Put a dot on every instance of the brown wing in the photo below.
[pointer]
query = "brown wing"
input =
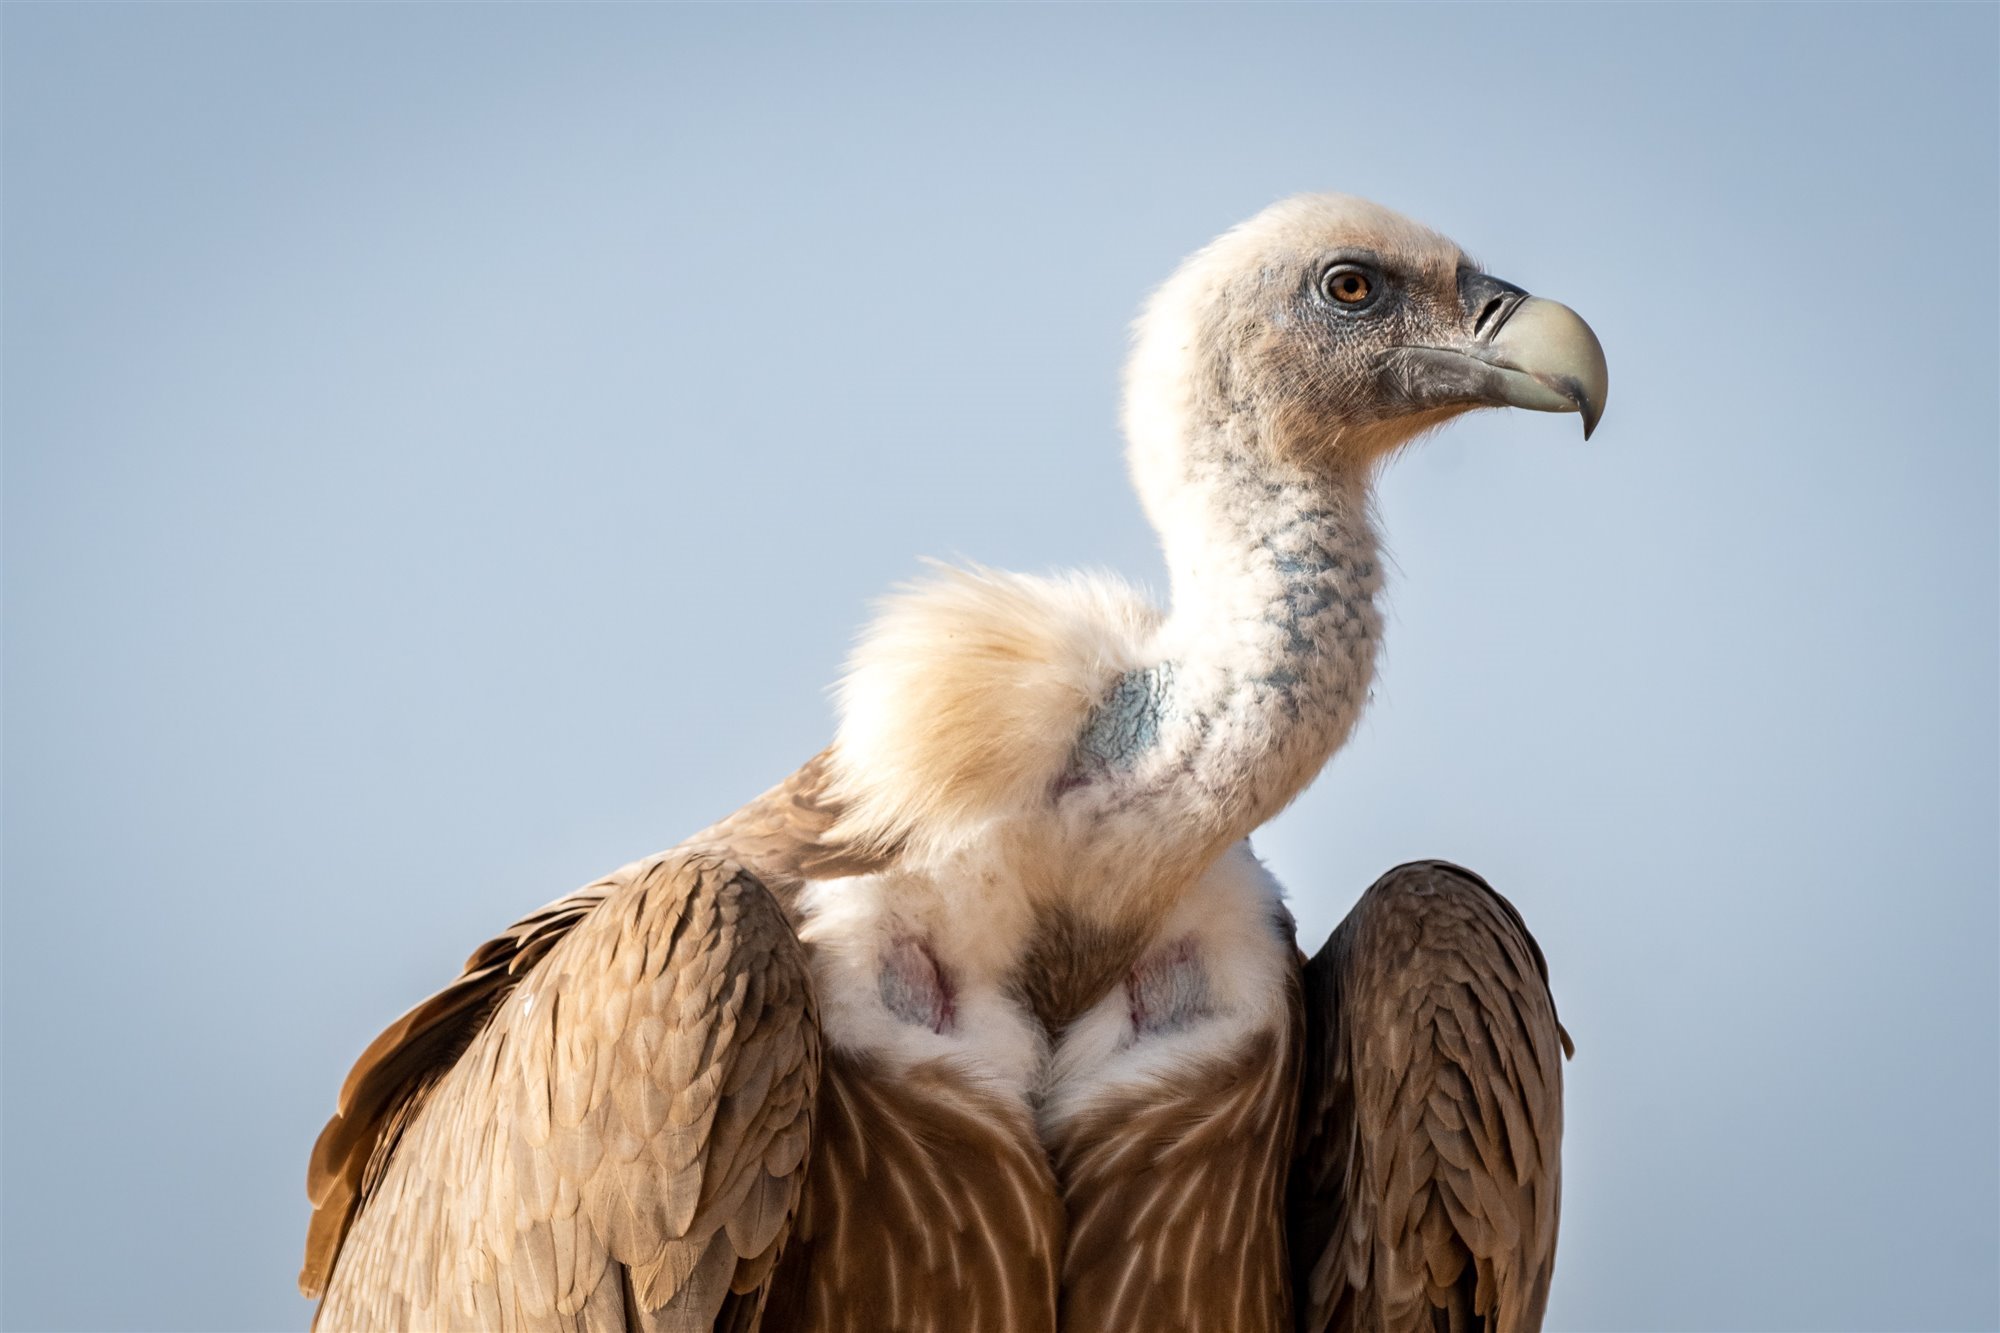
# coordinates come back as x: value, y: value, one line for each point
x: 1427, y: 1183
x: 621, y: 1143
x: 664, y: 1017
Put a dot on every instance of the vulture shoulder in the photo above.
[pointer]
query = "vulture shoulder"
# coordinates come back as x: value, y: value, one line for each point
x: 1426, y: 1183
x: 604, y: 1122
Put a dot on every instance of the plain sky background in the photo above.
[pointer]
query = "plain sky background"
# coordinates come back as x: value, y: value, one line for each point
x: 448, y: 451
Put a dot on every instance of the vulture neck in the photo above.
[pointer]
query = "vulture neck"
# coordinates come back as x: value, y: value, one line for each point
x: 1271, y: 639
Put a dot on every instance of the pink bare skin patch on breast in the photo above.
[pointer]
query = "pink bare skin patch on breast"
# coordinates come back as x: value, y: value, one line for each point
x: 916, y: 988
x: 1168, y: 990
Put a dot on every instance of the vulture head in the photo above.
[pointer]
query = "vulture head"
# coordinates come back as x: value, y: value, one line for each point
x: 1326, y: 331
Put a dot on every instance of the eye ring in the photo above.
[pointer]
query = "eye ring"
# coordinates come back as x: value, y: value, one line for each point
x: 1349, y: 287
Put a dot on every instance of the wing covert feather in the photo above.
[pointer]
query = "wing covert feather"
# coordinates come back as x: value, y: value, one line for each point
x: 1426, y: 1189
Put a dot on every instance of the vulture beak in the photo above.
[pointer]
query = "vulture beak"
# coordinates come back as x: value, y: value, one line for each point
x: 1515, y: 350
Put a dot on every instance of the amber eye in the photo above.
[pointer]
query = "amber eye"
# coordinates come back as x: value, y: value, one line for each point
x: 1348, y: 285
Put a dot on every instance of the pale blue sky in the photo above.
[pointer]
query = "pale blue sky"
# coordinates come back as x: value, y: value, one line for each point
x: 448, y: 451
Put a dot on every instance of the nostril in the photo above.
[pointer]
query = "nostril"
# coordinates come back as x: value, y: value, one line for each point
x: 1491, y: 316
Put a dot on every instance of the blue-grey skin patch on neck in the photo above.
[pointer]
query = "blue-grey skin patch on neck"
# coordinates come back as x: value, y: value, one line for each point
x: 1125, y: 725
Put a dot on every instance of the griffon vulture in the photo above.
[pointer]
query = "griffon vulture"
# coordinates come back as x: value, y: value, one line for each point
x: 987, y: 1018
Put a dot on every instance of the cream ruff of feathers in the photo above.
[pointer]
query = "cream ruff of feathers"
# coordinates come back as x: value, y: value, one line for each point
x: 987, y: 1018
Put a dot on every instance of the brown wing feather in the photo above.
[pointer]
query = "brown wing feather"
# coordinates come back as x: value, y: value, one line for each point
x: 393, y: 1076
x: 727, y: 1058
x: 929, y: 1206
x: 785, y: 836
x: 1427, y: 1184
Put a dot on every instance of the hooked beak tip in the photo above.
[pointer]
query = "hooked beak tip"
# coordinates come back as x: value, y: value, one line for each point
x: 1586, y: 407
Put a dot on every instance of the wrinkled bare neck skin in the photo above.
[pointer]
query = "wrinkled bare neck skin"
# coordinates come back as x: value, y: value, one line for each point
x: 1275, y: 622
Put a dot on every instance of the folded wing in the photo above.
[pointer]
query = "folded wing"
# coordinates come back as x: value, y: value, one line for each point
x: 603, y: 1124
x: 1427, y: 1182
